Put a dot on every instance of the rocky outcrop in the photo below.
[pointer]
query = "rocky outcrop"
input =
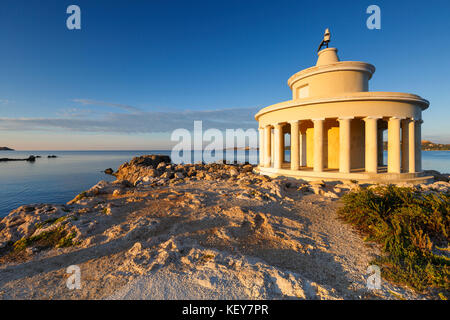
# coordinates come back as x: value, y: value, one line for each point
x: 437, y: 175
x: 30, y: 159
x: 140, y: 167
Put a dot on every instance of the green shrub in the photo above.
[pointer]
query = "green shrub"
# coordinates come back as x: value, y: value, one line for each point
x: 50, y: 222
x: 413, y: 229
x: 48, y: 239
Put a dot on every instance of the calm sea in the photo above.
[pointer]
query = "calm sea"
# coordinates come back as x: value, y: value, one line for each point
x: 58, y: 180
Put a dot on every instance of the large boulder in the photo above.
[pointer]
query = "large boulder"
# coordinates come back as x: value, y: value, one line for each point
x: 140, y: 167
x: 152, y: 160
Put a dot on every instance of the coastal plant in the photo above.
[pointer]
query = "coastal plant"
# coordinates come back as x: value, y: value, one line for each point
x: 50, y: 222
x: 413, y: 229
x: 79, y: 197
x: 56, y: 238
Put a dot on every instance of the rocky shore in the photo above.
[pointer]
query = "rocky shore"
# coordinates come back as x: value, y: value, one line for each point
x: 192, y: 231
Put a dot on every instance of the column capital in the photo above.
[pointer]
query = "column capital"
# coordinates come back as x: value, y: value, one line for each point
x: 294, y: 121
x: 396, y: 118
x: 278, y: 124
x: 318, y: 119
x: 372, y: 118
x: 345, y: 118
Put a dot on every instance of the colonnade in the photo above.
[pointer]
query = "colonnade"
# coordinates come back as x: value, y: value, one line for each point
x: 404, y: 144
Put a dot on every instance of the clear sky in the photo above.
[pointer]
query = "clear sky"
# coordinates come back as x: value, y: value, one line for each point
x: 139, y: 69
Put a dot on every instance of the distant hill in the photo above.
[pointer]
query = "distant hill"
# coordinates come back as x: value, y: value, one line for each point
x: 6, y: 149
x: 428, y: 146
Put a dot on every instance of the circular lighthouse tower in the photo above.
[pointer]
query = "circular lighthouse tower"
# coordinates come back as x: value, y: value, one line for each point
x: 336, y: 126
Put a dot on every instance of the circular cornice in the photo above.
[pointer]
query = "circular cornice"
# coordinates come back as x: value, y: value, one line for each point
x: 338, y: 66
x: 359, y: 96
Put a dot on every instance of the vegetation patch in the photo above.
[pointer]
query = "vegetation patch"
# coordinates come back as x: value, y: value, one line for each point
x: 49, y: 222
x: 56, y: 238
x: 413, y: 229
x: 80, y: 196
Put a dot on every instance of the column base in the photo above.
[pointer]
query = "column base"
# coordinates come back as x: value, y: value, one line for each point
x: 334, y: 175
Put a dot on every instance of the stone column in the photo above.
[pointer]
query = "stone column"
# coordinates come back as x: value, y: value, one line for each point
x: 344, y: 144
x: 405, y: 145
x: 279, y: 149
x: 303, y: 148
x: 295, y: 144
x: 412, y: 146
x: 318, y: 144
x: 272, y: 144
x: 394, y: 161
x: 371, y: 142
x: 418, y: 140
x: 267, y: 146
x: 261, y: 147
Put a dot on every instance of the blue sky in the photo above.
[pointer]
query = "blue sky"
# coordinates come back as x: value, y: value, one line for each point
x: 139, y: 69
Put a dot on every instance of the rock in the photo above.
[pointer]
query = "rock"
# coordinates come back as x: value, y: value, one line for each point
x: 167, y: 175
x: 152, y: 173
x: 317, y: 190
x: 123, y: 183
x: 109, y: 171
x: 148, y: 179
x: 30, y: 159
x: 117, y: 192
x: 150, y: 160
x: 179, y: 168
x: 440, y: 186
x: 437, y: 175
x: 141, y: 166
x: 191, y: 172
x: 233, y: 172
x: 305, y: 189
x: 108, y: 211
x: 320, y: 183
x: 330, y: 194
x: 135, y: 249
x: 179, y: 175
x: 200, y: 174
x: 100, y: 188
x: 247, y: 168
x: 161, y: 166
x: 52, y: 156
